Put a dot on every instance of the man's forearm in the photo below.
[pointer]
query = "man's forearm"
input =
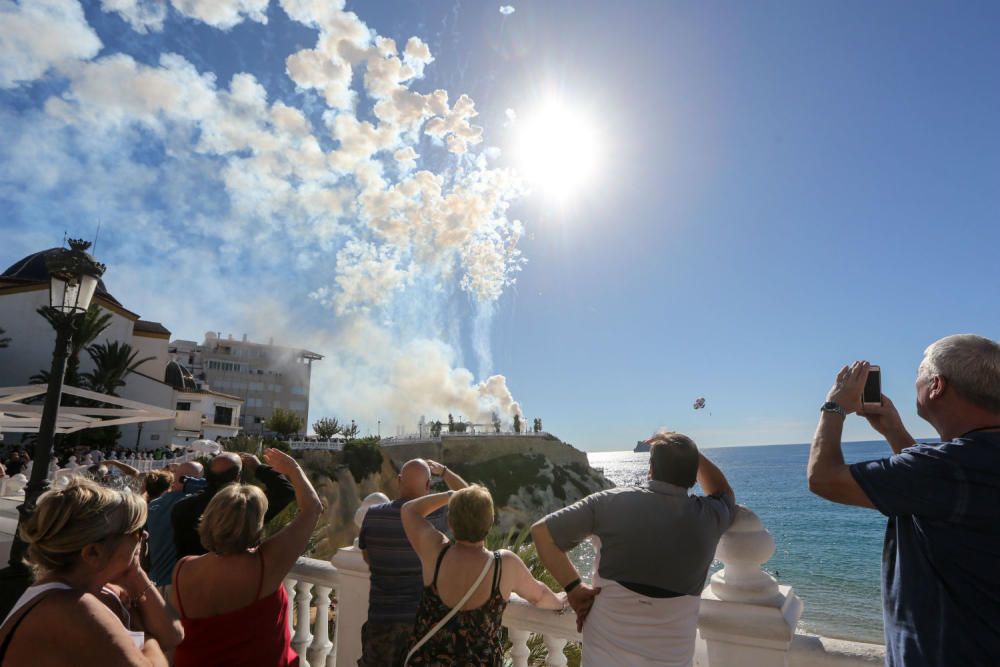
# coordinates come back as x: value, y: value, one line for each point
x: 825, y: 454
x: 452, y: 479
x: 711, y: 479
x: 899, y: 440
x: 553, y: 558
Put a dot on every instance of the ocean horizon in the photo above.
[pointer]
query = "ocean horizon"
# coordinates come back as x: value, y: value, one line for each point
x: 830, y: 554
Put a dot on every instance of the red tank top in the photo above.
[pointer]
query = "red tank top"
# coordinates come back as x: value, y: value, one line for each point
x: 256, y: 635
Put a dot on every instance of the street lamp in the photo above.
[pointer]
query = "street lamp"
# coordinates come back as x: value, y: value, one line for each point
x: 73, y: 278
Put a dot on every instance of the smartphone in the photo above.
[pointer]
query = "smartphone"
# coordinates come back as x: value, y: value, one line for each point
x: 873, y: 386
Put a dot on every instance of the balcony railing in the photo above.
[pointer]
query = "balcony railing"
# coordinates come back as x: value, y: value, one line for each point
x: 746, y: 618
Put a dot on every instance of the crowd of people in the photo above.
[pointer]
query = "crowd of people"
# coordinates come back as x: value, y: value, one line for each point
x: 180, y: 573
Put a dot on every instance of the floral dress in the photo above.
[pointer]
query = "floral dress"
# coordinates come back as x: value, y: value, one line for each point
x: 471, y: 638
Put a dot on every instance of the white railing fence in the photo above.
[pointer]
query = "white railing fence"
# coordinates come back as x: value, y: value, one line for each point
x: 746, y: 619
x: 14, y: 485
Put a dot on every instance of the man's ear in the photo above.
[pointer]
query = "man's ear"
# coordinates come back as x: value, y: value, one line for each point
x: 938, y: 385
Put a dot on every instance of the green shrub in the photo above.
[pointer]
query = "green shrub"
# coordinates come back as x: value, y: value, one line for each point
x: 363, y: 457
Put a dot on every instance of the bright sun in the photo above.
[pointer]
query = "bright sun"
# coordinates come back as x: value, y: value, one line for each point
x: 557, y: 149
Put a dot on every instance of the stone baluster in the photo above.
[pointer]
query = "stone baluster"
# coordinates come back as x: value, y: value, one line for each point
x: 352, y: 604
x: 290, y: 591
x: 555, y: 645
x: 519, y: 650
x: 303, y: 635
x: 321, y: 645
x: 746, y: 618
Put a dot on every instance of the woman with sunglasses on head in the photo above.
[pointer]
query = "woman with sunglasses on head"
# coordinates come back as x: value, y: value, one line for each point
x: 83, y: 544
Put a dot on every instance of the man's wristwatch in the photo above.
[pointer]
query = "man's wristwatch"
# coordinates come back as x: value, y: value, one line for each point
x: 833, y: 406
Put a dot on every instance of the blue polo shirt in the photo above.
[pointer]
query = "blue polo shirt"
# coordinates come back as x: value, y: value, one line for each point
x: 940, y: 574
x: 162, y: 552
x: 396, y: 577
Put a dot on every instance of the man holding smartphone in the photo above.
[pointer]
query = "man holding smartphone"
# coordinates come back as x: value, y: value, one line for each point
x: 940, y: 581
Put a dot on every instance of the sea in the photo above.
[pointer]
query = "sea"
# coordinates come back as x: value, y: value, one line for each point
x: 830, y: 554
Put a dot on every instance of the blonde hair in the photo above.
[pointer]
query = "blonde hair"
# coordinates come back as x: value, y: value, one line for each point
x: 470, y: 513
x: 67, y: 520
x: 234, y: 519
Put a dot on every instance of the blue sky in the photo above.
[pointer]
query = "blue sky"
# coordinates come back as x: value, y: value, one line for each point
x: 780, y: 189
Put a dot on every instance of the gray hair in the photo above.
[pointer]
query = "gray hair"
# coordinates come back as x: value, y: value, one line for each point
x: 970, y: 364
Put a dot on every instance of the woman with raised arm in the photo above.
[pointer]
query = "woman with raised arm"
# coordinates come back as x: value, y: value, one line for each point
x: 231, y: 600
x: 466, y: 587
x: 83, y: 546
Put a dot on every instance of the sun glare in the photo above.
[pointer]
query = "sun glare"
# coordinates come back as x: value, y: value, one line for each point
x: 557, y: 150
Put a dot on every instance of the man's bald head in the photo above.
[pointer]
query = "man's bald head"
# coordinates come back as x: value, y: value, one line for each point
x: 186, y: 469
x: 191, y: 469
x: 225, y: 461
x: 414, y: 479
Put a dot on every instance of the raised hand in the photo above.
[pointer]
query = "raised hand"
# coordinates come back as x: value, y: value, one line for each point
x: 848, y: 386
x: 250, y: 462
x: 280, y: 461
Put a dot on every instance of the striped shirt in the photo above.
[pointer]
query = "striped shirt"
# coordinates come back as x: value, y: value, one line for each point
x: 396, y: 578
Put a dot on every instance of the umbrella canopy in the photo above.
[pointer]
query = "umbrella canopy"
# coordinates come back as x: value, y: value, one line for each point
x: 207, y: 447
x: 17, y: 417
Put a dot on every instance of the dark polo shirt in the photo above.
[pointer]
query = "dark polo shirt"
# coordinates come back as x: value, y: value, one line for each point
x: 651, y: 536
x: 397, y: 580
x: 940, y: 581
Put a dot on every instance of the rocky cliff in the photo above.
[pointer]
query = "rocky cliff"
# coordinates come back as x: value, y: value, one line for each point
x: 528, y: 475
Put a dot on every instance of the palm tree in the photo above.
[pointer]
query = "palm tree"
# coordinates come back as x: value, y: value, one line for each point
x: 112, y: 362
x: 89, y: 326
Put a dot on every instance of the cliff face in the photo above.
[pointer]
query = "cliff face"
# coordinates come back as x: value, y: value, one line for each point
x: 529, y: 476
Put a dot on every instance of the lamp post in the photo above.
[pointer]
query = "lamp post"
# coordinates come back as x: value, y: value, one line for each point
x: 73, y: 278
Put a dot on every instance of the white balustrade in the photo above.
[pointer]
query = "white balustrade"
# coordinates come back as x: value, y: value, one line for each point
x: 309, y: 584
x: 746, y: 618
x: 523, y: 619
x: 519, y: 650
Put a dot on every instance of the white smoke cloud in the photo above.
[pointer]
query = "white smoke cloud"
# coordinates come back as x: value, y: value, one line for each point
x: 223, y: 14
x: 380, y: 238
x: 142, y: 15
x: 39, y: 35
x: 507, y: 10
x: 149, y: 15
x: 370, y: 373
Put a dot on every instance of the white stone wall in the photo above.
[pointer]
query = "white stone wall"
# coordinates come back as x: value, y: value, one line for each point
x: 149, y: 346
x: 33, y: 339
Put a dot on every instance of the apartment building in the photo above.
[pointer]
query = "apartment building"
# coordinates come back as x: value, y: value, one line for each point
x: 265, y: 376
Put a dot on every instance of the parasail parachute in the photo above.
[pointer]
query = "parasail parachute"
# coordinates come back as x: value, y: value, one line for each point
x: 699, y: 403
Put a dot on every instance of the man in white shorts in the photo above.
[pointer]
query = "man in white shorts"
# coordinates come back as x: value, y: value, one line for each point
x: 654, y: 546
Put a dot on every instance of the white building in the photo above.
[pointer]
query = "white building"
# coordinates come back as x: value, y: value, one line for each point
x: 24, y: 288
x: 264, y: 376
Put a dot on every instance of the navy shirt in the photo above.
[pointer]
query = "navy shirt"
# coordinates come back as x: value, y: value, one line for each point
x: 940, y: 574
x: 396, y: 578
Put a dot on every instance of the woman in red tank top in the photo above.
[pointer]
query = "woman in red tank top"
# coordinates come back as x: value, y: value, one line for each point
x: 231, y: 600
